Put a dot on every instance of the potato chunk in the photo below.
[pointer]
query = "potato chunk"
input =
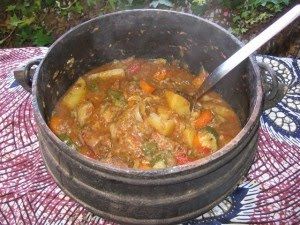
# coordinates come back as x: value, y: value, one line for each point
x: 104, y: 75
x: 177, y: 103
x: 75, y: 94
x: 163, y: 126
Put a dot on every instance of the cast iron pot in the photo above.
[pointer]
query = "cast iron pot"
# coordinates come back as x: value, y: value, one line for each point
x: 163, y: 196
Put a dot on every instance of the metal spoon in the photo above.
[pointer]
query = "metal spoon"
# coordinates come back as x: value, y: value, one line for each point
x: 223, y: 69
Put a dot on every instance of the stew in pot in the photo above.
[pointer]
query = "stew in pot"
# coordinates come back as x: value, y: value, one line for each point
x: 132, y: 113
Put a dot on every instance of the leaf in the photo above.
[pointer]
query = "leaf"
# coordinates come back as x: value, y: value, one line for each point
x: 112, y: 4
x: 10, y: 8
x: 154, y: 4
x: 199, y: 2
x: 38, y: 3
x: 42, y: 38
x: 78, y: 7
x: 91, y: 2
x: 27, y: 21
x: 14, y: 21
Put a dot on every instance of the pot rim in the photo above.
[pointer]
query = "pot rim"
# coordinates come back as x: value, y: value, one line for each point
x: 169, y: 170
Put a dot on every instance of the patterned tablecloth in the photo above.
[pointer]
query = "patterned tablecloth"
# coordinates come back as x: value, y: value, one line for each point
x: 28, y: 195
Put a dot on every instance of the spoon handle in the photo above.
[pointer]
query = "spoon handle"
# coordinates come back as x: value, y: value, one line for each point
x: 248, y: 49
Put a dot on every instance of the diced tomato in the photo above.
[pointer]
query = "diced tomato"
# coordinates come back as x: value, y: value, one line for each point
x: 203, y: 151
x: 134, y: 67
x: 182, y: 159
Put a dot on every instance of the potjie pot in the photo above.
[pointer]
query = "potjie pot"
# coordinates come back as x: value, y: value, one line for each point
x: 164, y: 196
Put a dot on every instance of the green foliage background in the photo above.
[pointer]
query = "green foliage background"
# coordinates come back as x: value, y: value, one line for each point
x: 26, y: 22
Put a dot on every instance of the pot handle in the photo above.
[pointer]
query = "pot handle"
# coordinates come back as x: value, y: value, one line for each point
x: 274, y: 91
x: 25, y: 74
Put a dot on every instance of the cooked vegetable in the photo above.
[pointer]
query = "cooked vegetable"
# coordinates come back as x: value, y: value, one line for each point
x: 83, y: 112
x: 92, y: 86
x: 188, y: 136
x: 198, y: 80
x: 163, y: 126
x: 203, y: 151
x: 224, y: 111
x: 212, y: 131
x: 137, y: 114
x: 75, y: 94
x: 149, y: 148
x: 177, y: 103
x: 135, y: 67
x: 147, y: 88
x: 67, y: 140
x: 204, y: 118
x: 108, y: 74
x: 113, y: 131
x: 182, y: 159
x: 55, y: 124
x: 160, y: 61
x: 164, y: 112
x: 145, y: 165
x: 221, y: 110
x: 135, y: 117
x: 160, y: 75
x: 207, y: 139
x: 117, y: 97
x: 159, y: 165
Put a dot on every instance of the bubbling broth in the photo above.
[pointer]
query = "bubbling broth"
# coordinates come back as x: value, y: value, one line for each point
x: 131, y: 114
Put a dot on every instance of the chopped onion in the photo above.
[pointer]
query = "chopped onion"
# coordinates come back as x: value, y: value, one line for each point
x: 137, y: 114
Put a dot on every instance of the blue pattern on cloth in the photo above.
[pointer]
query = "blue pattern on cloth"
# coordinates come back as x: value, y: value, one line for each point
x: 282, y: 123
x: 269, y: 194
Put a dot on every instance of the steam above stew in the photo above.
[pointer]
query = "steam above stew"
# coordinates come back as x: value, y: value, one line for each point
x: 130, y: 113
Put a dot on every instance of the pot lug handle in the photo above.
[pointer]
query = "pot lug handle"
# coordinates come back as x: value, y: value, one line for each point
x: 274, y: 91
x: 25, y: 74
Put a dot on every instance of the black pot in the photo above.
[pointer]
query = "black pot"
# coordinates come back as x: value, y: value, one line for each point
x: 163, y: 196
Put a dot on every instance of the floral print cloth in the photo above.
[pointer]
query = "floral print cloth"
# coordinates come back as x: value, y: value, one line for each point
x: 270, y: 193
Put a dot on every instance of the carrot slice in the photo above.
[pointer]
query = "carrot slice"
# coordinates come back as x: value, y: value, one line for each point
x: 204, y: 118
x: 147, y: 88
x: 196, y: 142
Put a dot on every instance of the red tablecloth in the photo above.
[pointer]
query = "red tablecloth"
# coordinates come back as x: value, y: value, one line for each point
x: 28, y: 194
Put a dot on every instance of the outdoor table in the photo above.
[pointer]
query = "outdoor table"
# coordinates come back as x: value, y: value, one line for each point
x: 270, y: 193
